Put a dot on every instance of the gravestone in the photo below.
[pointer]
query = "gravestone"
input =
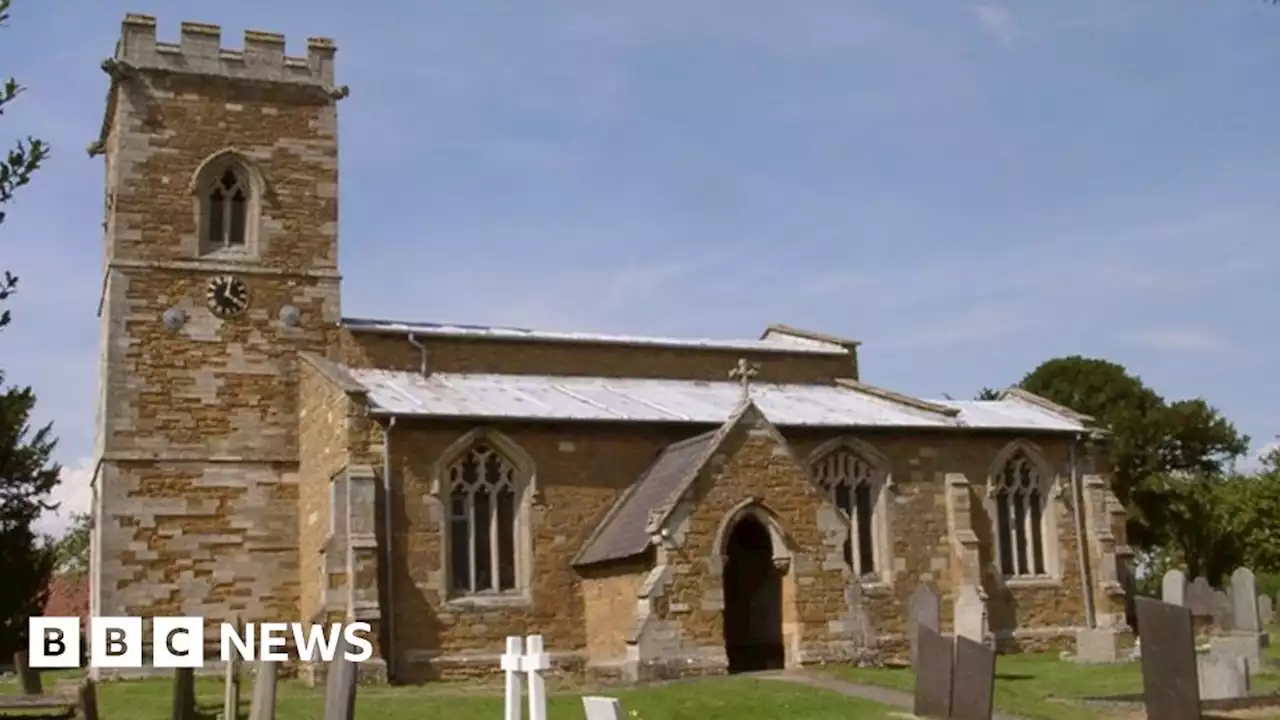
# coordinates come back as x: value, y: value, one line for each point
x: 264, y: 691
x: 924, y: 608
x: 184, y: 694
x: 1244, y: 602
x: 1223, y: 610
x: 88, y: 700
x: 340, y: 689
x: 29, y: 676
x: 1222, y: 678
x: 973, y: 681
x: 231, y: 690
x: 1170, y: 681
x: 933, y: 674
x: 971, y: 614
x: 1173, y: 589
x: 1266, y: 611
x: 1199, y: 598
x: 601, y: 708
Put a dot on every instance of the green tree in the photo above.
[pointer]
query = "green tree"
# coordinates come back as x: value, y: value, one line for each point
x: 73, y: 547
x: 987, y: 393
x: 1151, y: 439
x: 23, y: 159
x: 27, y: 477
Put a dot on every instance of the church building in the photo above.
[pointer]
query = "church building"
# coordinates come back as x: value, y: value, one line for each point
x: 653, y: 507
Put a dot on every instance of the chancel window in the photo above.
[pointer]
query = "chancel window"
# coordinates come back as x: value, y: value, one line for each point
x: 1019, y: 496
x: 848, y: 479
x: 482, y: 522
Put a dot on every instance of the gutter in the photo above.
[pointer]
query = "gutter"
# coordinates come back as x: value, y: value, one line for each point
x: 389, y: 531
x: 1077, y: 492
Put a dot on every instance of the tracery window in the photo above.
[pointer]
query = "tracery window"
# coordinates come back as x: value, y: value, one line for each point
x: 848, y: 479
x: 1019, y: 495
x: 482, y: 485
x: 226, y: 215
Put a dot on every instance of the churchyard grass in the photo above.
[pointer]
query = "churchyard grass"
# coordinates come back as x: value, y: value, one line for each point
x: 1042, y: 686
x: 709, y: 699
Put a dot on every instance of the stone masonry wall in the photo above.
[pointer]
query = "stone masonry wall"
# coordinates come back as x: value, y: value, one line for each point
x: 393, y: 352
x: 197, y: 502
x: 609, y: 598
x: 580, y: 471
x: 754, y: 465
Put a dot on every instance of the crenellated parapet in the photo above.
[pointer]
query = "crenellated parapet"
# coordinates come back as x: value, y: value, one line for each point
x: 200, y: 51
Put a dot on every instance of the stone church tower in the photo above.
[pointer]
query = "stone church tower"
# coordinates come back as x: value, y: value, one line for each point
x: 221, y: 264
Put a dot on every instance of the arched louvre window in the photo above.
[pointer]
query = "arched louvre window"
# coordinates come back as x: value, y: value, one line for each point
x: 226, y: 218
x: 1019, y: 507
x: 847, y: 478
x: 482, y: 522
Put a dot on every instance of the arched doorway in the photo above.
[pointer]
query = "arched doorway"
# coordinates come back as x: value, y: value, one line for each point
x: 752, y: 599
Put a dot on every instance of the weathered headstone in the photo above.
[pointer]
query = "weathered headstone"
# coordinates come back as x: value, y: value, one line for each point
x: 1244, y: 601
x: 971, y: 614
x: 1224, y: 612
x: 1173, y: 589
x: 973, y: 681
x: 29, y: 676
x: 184, y: 694
x: 1266, y: 610
x: 601, y: 708
x: 1222, y: 678
x: 340, y: 690
x: 934, y: 674
x: 1170, y: 682
x: 924, y: 608
x: 1199, y: 598
x: 263, y: 706
x: 231, y: 691
x: 88, y: 700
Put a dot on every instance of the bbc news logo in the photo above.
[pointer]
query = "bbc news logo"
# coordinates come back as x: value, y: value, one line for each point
x: 179, y: 642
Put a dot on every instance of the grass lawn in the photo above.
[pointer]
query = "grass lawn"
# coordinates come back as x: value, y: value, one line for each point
x: 710, y: 699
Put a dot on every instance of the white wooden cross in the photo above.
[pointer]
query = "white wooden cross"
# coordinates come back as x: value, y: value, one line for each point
x: 744, y: 373
x: 526, y: 656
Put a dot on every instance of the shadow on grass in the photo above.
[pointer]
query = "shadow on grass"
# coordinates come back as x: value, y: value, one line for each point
x: 1014, y: 676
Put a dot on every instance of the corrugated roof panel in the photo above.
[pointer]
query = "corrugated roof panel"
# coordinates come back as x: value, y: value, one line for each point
x: 535, y: 397
x: 428, y: 329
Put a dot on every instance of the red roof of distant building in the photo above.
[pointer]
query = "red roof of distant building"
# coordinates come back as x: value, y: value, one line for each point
x: 68, y: 595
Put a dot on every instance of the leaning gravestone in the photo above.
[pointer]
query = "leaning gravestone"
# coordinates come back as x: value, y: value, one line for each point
x: 340, y: 691
x: 601, y: 708
x: 1170, y: 681
x: 1173, y: 589
x: 1199, y: 598
x: 1266, y: 611
x: 1244, y: 602
x: 264, y: 691
x: 933, y: 674
x: 973, y: 681
x: 924, y: 609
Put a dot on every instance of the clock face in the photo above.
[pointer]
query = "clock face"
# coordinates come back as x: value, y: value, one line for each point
x: 227, y: 296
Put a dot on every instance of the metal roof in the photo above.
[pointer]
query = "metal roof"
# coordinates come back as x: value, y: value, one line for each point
x: 555, y: 398
x: 776, y: 343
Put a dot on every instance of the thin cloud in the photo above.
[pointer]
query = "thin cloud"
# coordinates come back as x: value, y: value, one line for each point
x: 997, y: 21
x: 1184, y: 340
x: 74, y: 495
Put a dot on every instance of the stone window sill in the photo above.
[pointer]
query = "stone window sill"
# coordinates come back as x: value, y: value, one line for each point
x: 1044, y: 581
x: 489, y: 600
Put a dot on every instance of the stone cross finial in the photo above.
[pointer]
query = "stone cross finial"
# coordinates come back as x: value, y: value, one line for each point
x: 744, y: 373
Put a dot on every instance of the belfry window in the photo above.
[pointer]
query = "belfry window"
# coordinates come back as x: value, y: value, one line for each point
x: 226, y: 218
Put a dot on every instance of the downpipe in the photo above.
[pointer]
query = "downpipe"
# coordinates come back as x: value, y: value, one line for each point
x: 388, y: 529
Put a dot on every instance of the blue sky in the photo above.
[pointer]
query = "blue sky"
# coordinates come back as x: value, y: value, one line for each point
x: 969, y: 189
